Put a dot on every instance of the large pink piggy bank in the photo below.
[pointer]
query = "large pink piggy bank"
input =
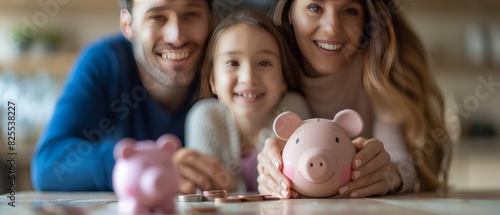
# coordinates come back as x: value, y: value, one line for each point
x: 318, y: 152
x: 145, y: 178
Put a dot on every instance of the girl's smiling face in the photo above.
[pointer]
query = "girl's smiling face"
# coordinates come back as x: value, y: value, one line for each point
x: 247, y: 75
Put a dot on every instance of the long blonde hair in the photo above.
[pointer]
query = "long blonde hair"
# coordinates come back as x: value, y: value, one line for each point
x: 395, y: 64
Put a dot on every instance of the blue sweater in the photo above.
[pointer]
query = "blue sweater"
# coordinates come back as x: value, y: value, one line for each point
x: 103, y: 101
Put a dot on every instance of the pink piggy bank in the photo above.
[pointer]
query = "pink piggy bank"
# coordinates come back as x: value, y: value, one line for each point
x: 318, y: 153
x: 145, y: 178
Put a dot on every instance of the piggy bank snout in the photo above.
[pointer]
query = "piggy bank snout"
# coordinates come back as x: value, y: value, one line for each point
x: 317, y: 165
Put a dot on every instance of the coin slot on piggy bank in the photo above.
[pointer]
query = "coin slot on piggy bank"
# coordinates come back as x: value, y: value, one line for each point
x: 318, y: 153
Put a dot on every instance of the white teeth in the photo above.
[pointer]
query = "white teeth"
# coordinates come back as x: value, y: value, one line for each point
x: 174, y: 56
x: 329, y: 46
x: 249, y: 95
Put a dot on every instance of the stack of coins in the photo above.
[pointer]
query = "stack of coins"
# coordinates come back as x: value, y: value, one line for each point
x: 220, y: 196
x: 245, y: 198
x: 190, y: 198
x: 212, y: 194
x: 229, y: 199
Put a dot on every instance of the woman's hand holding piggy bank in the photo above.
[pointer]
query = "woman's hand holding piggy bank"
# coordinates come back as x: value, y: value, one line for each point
x: 318, y: 154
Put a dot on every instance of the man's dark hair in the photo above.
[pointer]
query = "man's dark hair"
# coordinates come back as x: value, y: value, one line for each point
x: 128, y: 4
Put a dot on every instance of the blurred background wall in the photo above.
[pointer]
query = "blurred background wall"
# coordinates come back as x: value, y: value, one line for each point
x: 462, y: 39
x: 40, y: 39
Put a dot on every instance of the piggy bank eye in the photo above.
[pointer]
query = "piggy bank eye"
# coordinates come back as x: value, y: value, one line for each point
x: 297, y: 141
x: 337, y: 139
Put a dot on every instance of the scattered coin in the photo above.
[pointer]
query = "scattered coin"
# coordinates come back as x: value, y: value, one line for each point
x: 190, y: 198
x: 230, y: 199
x: 250, y: 198
x: 270, y: 198
x: 202, y: 210
x: 51, y: 209
x: 209, y: 199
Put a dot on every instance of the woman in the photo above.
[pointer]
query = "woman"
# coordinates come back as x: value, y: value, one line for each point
x: 367, y: 58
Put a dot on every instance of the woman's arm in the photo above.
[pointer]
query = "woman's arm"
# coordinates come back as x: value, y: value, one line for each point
x: 394, y: 143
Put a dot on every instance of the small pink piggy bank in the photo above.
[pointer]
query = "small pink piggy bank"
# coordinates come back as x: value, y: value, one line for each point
x: 145, y: 178
x: 318, y: 152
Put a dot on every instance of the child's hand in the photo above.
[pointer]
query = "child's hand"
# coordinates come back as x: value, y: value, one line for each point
x: 373, y: 173
x: 202, y: 171
x: 271, y: 180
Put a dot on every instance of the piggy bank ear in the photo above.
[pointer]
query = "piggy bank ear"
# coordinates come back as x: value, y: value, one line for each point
x: 350, y: 121
x: 124, y: 148
x: 285, y: 124
x: 169, y: 143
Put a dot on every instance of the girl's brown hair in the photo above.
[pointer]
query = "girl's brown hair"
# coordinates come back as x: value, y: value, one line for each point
x: 398, y: 80
x: 289, y: 66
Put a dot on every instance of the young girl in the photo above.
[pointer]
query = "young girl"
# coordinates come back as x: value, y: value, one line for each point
x: 248, y: 68
x: 366, y: 51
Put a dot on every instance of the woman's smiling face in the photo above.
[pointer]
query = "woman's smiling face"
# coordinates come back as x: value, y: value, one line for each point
x: 328, y: 33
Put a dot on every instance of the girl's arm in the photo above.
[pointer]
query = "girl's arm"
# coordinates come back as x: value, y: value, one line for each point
x: 209, y: 132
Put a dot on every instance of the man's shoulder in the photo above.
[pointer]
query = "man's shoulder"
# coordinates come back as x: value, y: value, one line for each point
x: 110, y: 55
x: 115, y: 43
x: 111, y: 40
x: 107, y: 63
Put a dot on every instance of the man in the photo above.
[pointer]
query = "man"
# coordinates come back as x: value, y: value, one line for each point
x: 140, y: 84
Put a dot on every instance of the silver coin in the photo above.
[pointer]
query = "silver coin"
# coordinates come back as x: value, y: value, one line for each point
x: 190, y: 198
